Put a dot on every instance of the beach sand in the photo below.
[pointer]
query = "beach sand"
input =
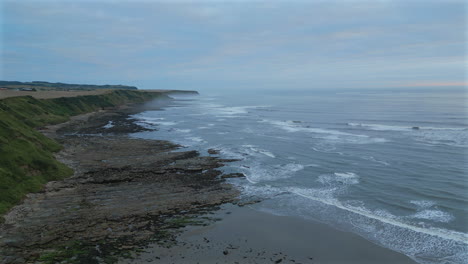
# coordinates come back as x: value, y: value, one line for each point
x: 246, y: 235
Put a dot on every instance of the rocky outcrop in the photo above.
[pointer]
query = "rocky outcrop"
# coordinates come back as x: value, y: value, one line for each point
x: 122, y: 192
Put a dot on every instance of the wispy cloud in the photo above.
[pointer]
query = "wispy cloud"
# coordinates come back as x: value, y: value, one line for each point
x: 436, y: 84
x: 210, y: 44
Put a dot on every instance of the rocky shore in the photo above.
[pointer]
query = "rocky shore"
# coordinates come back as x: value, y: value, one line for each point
x: 125, y: 193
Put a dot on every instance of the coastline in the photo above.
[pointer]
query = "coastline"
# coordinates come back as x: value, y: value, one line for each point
x: 121, y: 204
x: 124, y: 193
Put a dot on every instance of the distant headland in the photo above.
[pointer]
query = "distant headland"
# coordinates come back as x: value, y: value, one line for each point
x: 48, y: 90
x: 46, y: 86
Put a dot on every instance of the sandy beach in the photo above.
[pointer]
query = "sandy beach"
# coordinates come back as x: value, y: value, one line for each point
x: 246, y: 235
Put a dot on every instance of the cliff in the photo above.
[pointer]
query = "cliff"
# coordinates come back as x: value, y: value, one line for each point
x: 26, y: 155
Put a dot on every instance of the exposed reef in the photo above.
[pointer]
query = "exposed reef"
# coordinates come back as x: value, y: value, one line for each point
x: 124, y: 193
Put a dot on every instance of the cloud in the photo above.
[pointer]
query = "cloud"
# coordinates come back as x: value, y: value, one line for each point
x: 436, y: 84
x: 210, y: 43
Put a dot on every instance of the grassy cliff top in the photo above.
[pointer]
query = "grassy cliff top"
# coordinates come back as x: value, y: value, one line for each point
x: 47, y: 86
x: 40, y: 94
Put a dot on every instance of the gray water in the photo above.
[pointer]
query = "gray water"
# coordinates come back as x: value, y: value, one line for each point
x: 390, y: 166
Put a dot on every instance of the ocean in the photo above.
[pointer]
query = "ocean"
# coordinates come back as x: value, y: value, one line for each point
x: 388, y: 165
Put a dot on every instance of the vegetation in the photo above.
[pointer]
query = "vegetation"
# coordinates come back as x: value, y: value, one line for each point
x: 26, y: 156
x: 60, y: 86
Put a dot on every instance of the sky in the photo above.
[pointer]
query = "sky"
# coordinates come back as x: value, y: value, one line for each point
x: 222, y: 45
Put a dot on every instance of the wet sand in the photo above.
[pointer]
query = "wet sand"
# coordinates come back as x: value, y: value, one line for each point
x: 246, y: 235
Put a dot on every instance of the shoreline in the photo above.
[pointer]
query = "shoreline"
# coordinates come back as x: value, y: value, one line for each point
x: 108, y: 206
x: 247, y: 235
x: 124, y: 193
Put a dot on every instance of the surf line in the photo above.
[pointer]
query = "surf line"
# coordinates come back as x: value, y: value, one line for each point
x: 456, y: 236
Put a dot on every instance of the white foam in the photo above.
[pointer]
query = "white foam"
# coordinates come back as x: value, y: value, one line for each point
x: 442, y: 233
x: 354, y: 139
x: 148, y: 118
x: 453, y: 136
x: 229, y: 153
x: 156, y: 121
x: 149, y: 122
x: 267, y: 153
x: 327, y: 134
x: 456, y: 138
x: 228, y: 111
x: 167, y: 123
x: 233, y: 110
x: 347, y: 177
x: 255, y: 149
x: 427, y: 210
x: 291, y: 126
x: 423, y: 203
x: 196, y: 139
x: 425, y: 245
x: 417, y: 241
x: 108, y: 125
x: 183, y: 130
x: 337, y: 177
x: 434, y: 215
x: 256, y: 173
x: 380, y: 127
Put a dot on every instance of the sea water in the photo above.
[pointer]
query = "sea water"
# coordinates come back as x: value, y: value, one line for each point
x: 390, y: 166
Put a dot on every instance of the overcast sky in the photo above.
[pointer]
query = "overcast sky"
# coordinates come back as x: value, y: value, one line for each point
x: 236, y: 44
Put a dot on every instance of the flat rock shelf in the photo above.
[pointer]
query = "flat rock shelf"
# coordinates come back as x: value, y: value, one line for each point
x: 125, y: 192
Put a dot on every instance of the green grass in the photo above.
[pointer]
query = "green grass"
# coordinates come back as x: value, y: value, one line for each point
x: 26, y: 156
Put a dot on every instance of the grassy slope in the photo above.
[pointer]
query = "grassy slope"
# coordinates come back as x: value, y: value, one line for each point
x: 26, y: 156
